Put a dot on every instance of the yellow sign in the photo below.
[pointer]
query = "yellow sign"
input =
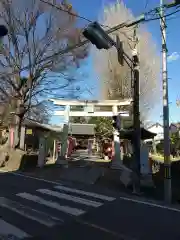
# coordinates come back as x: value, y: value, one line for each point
x: 29, y: 131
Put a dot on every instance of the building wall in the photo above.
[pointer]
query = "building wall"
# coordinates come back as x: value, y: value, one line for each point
x: 173, y: 128
x: 158, y: 129
x: 32, y: 139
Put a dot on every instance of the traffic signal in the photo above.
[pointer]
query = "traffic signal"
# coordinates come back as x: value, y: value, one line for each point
x: 117, y: 122
x: 3, y: 31
x: 97, y: 36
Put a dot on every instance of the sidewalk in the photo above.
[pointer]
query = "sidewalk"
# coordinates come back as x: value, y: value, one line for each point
x: 83, y: 172
x: 77, y: 171
x: 94, y: 174
x: 97, y: 172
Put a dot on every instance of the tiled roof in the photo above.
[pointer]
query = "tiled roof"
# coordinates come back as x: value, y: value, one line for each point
x: 155, y: 124
x: 175, y: 124
x: 32, y: 123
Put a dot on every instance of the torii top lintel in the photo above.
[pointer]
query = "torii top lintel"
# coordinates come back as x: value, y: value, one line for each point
x: 62, y: 102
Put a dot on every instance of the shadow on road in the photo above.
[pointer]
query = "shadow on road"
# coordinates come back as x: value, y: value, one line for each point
x: 109, y: 221
x: 98, y: 173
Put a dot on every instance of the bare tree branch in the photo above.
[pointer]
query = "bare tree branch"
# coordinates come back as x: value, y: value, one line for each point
x: 36, y: 32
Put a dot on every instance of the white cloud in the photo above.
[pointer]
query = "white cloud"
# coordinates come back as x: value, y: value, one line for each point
x: 173, y: 57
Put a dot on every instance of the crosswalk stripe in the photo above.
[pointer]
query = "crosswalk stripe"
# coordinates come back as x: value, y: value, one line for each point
x: 90, y: 194
x: 29, y: 213
x: 6, y: 229
x: 55, y: 205
x: 70, y: 198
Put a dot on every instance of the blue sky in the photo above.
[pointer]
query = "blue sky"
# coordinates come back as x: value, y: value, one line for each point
x: 92, y: 8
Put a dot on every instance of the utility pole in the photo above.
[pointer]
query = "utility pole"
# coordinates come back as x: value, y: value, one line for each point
x: 167, y: 160
x: 97, y: 36
x: 136, y: 117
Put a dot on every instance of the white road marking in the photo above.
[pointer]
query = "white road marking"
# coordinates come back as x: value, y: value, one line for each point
x: 90, y: 194
x: 66, y: 209
x: 150, y: 204
x: 30, y: 177
x: 29, y: 213
x: 70, y: 198
x: 6, y: 229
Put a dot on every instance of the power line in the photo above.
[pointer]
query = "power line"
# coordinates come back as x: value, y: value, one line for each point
x: 71, y: 48
x: 152, y: 11
x: 67, y: 11
x: 84, y: 18
x: 71, y: 13
x: 172, y: 18
x: 77, y: 15
x: 167, y: 15
x: 146, y: 4
x: 78, y: 45
x: 74, y: 14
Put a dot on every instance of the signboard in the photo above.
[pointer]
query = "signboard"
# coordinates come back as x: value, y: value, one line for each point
x: 77, y: 108
x: 89, y: 109
x: 144, y: 160
x: 29, y: 131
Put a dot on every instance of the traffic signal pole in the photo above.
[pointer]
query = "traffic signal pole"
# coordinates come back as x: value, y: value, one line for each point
x: 97, y: 36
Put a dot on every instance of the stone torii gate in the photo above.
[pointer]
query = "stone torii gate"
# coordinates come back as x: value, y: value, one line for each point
x: 93, y: 108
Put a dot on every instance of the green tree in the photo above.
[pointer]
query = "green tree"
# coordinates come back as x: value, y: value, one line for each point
x: 103, y: 127
x: 174, y: 138
x: 81, y: 120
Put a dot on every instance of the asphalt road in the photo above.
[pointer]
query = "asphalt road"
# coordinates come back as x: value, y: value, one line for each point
x: 30, y: 208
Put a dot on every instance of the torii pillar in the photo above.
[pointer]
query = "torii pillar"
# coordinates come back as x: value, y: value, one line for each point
x: 62, y: 158
x: 117, y: 161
